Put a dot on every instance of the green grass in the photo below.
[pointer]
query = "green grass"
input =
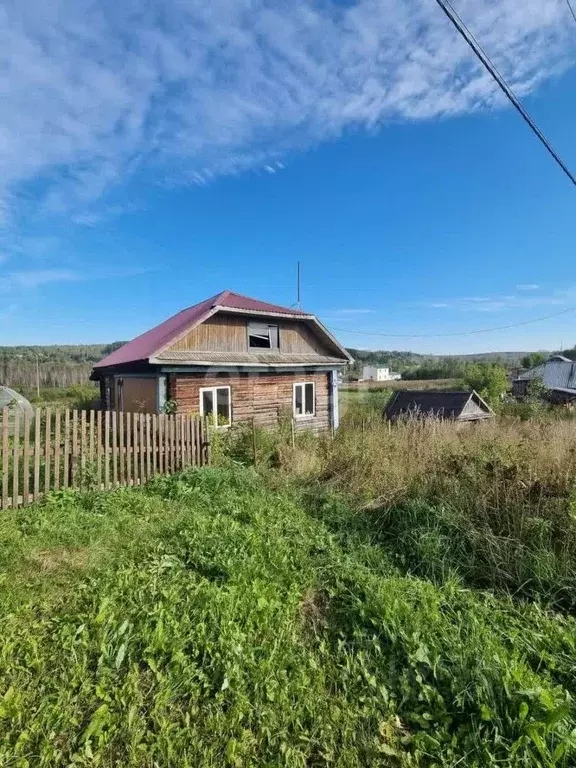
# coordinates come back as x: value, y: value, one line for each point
x: 213, y: 620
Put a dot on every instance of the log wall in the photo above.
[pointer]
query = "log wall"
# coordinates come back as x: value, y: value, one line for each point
x: 261, y: 397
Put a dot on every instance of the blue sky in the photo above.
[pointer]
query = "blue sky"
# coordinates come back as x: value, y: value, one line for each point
x: 152, y: 157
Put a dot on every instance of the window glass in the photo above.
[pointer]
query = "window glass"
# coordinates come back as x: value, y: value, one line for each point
x: 223, y: 406
x: 273, y: 331
x: 262, y: 336
x: 309, y: 399
x: 298, y: 404
x: 207, y: 402
x: 215, y: 403
x: 304, y: 399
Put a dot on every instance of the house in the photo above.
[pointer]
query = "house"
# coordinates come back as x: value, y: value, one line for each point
x: 373, y: 373
x: 232, y: 359
x: 454, y: 406
x: 557, y: 374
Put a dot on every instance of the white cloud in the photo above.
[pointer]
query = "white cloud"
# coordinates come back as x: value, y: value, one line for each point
x: 179, y: 92
x: 352, y: 311
x: 29, y: 279
x: 501, y: 303
x: 527, y: 287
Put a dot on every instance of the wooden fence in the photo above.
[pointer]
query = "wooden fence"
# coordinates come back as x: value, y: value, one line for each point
x: 59, y: 448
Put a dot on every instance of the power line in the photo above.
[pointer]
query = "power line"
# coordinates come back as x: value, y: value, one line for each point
x: 459, y: 333
x: 451, y: 13
x: 569, y: 4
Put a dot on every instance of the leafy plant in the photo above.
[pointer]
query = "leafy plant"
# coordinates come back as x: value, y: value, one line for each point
x: 490, y: 380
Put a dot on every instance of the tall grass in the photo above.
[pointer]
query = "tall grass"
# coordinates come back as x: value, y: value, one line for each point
x: 493, y: 502
x: 210, y: 620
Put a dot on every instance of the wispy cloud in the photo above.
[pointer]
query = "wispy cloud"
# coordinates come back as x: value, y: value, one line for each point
x: 30, y: 279
x: 95, y: 93
x: 24, y: 280
x: 527, y: 287
x: 352, y: 311
x: 501, y: 303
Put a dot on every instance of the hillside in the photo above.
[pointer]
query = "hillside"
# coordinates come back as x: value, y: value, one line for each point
x: 59, y: 353
x: 91, y: 353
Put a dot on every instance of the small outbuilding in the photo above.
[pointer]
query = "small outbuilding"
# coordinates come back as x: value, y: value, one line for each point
x: 452, y: 406
x: 557, y: 375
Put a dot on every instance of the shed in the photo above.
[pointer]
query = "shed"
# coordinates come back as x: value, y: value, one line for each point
x: 454, y: 406
x: 15, y: 403
x: 557, y: 374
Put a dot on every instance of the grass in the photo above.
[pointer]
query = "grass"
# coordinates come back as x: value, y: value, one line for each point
x: 394, y: 596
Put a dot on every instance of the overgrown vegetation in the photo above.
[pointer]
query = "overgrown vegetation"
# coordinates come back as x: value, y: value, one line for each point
x: 396, y: 595
x: 80, y: 396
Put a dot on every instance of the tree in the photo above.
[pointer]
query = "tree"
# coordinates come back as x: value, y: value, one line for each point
x: 490, y: 380
x: 533, y: 359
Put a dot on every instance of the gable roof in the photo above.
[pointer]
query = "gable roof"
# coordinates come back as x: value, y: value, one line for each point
x: 558, y: 372
x: 152, y: 342
x: 438, y: 404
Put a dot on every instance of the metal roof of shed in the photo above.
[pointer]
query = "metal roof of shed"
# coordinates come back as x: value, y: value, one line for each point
x: 557, y: 373
x: 438, y: 404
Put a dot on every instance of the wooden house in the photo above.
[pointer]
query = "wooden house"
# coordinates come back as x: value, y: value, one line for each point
x: 453, y: 406
x: 233, y: 359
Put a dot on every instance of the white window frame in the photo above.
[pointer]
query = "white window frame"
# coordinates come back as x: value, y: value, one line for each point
x: 303, y: 385
x: 215, y: 404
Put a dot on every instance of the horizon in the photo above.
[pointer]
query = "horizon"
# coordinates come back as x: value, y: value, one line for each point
x: 141, y: 172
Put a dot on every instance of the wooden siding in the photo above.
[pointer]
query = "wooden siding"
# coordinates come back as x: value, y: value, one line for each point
x: 138, y: 394
x: 261, y: 397
x: 228, y: 333
x: 297, y: 338
x: 220, y: 333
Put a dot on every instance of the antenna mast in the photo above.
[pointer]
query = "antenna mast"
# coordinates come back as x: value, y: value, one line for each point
x: 298, y: 301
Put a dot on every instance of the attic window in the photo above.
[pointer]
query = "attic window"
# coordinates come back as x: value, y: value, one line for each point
x: 262, y: 336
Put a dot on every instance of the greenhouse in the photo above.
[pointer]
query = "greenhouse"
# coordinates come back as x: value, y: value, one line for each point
x: 16, y: 404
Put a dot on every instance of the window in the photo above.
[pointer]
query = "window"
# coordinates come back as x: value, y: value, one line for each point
x: 216, y: 403
x: 262, y: 336
x: 304, y: 399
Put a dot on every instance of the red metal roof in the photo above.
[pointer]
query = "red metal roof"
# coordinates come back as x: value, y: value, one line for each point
x: 145, y: 345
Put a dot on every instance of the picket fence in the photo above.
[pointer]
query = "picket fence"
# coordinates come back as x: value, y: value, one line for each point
x: 54, y: 449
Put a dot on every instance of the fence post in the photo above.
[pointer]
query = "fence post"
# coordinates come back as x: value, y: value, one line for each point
x: 208, y: 442
x: 66, y: 477
x: 16, y: 461
x: 106, y: 449
x: 57, y: 449
x: 47, y: 449
x: 37, y: 454
x: 99, y: 450
x: 26, y: 460
x: 74, y: 445
x: 128, y: 448
x: 5, y: 444
x: 254, y: 442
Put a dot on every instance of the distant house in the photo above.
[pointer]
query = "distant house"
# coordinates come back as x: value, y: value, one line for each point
x: 233, y: 359
x: 558, y: 375
x: 454, y: 406
x: 375, y: 373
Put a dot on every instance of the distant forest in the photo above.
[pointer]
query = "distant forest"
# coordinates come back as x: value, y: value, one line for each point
x: 62, y: 365
x: 24, y: 368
